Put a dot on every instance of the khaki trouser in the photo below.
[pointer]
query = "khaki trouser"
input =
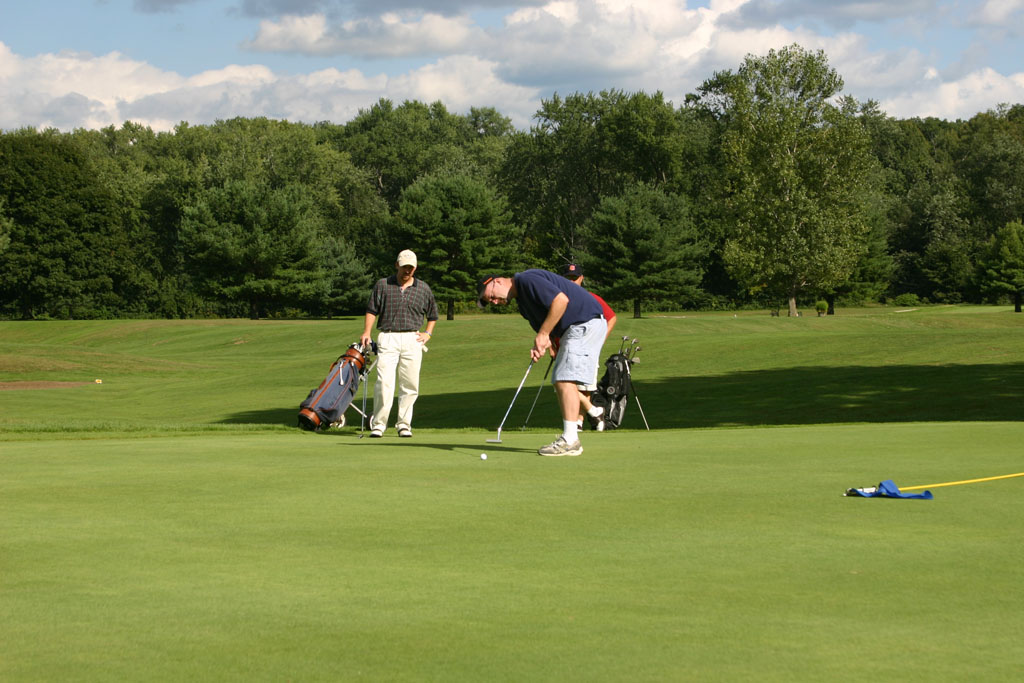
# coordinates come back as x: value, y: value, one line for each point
x: 399, y: 356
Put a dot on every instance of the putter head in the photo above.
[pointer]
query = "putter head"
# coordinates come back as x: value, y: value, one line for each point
x: 498, y: 440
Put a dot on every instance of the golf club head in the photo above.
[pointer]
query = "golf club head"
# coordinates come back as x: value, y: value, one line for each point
x: 493, y: 440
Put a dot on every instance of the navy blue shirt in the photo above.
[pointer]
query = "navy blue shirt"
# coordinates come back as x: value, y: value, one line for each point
x: 536, y: 289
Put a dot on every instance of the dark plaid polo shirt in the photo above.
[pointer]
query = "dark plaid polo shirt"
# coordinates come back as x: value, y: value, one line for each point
x: 399, y: 310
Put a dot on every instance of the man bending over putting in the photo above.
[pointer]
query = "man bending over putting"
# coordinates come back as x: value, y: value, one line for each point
x: 556, y: 307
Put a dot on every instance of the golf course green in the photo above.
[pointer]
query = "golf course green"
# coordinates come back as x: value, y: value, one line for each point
x: 162, y: 518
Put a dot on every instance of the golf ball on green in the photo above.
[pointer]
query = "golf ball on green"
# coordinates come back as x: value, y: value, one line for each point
x: 483, y: 456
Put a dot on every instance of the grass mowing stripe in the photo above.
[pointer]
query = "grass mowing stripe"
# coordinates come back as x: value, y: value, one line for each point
x: 956, y: 363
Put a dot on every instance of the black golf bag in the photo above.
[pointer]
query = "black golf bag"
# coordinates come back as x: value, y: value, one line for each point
x: 613, y: 390
x: 326, y: 404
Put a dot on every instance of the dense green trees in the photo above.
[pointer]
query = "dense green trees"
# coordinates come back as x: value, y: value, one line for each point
x: 1002, y: 265
x: 66, y: 256
x: 256, y: 229
x: 460, y: 228
x: 6, y: 226
x: 582, y: 149
x: 645, y: 247
x: 798, y: 174
x: 764, y: 185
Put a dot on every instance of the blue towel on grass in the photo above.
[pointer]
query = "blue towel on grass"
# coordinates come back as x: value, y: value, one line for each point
x: 887, y: 489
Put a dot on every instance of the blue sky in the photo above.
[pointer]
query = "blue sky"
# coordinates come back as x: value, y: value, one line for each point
x: 93, y: 63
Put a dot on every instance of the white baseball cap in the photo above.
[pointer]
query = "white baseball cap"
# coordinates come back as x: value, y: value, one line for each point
x: 406, y: 258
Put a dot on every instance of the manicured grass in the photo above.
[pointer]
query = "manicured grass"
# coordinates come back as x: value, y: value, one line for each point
x: 945, y: 363
x: 149, y: 531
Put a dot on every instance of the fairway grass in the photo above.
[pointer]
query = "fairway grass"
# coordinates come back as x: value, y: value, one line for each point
x: 151, y: 531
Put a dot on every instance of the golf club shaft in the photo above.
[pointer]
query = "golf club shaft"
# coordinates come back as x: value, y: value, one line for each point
x: 530, y: 414
x: 365, y: 377
x: 514, y: 397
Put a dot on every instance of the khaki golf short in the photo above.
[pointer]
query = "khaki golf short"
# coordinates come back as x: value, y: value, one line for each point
x: 579, y: 354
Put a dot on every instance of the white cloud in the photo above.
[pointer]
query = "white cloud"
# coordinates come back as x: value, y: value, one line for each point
x: 80, y: 90
x: 464, y: 82
x: 10, y: 64
x: 234, y: 75
x: 997, y: 12
x: 291, y: 34
x: 70, y: 89
x: 873, y: 71
x: 562, y: 11
x: 979, y: 91
x: 387, y: 36
x: 562, y: 45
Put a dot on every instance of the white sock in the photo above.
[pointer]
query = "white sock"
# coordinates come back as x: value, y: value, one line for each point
x: 595, y: 411
x: 569, y: 431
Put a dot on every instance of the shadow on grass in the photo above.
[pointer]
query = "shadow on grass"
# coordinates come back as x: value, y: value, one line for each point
x: 808, y: 395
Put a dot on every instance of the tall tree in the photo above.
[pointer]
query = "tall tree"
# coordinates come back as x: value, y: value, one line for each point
x: 258, y: 246
x: 66, y: 248
x: 798, y: 173
x: 642, y: 245
x: 277, y: 210
x: 399, y: 144
x: 992, y: 166
x: 460, y: 228
x: 581, y: 149
x: 124, y: 163
x: 1002, y: 266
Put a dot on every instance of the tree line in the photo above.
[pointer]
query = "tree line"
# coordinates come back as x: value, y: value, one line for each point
x: 765, y: 187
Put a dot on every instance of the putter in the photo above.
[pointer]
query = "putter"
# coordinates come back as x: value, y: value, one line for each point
x: 538, y: 393
x: 498, y: 440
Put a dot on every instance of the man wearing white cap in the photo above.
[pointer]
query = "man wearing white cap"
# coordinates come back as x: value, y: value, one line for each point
x: 399, y: 304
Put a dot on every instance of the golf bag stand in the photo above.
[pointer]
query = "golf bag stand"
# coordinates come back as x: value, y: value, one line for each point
x: 326, y: 405
x: 636, y: 397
